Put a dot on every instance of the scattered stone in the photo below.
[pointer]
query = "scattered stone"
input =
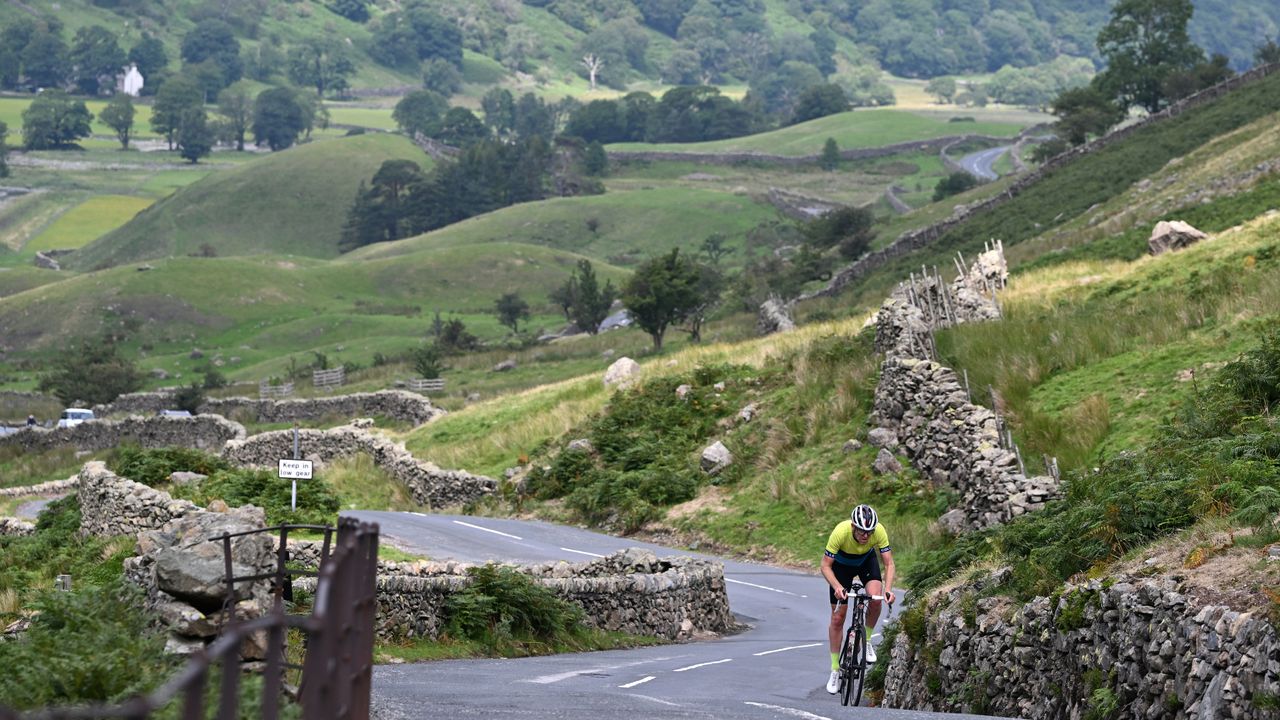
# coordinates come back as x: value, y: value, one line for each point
x: 196, y: 354
x: 747, y: 413
x: 159, y: 373
x: 883, y: 438
x: 682, y: 392
x: 719, y: 387
x: 473, y: 397
x: 886, y: 463
x: 505, y: 366
x: 716, y: 457
x: 582, y: 445
x: 607, y: 354
x: 622, y: 372
x: 186, y: 478
x: 144, y: 268
x: 1173, y: 235
x: 851, y: 446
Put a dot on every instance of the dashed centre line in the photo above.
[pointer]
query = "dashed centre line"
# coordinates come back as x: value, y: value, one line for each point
x: 764, y: 587
x: 694, y: 667
x: 793, y: 647
x: 641, y: 681
x: 581, y: 552
x: 488, y: 530
x: 794, y: 712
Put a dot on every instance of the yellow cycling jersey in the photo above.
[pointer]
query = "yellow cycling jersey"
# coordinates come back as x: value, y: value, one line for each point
x: 848, y: 551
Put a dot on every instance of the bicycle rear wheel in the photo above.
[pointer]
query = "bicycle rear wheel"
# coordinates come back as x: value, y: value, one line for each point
x: 854, y: 669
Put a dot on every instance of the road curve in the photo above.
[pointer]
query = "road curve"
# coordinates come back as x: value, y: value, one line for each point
x: 982, y: 163
x: 775, y: 669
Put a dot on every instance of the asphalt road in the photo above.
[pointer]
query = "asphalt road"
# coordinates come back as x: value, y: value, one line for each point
x: 981, y: 164
x: 775, y: 669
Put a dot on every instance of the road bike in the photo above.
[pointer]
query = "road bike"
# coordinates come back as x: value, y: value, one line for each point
x: 853, y: 652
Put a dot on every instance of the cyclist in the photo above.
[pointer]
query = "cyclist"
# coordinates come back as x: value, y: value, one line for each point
x: 851, y: 552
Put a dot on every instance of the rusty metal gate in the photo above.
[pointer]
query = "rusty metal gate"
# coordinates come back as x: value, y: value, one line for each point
x: 338, y: 665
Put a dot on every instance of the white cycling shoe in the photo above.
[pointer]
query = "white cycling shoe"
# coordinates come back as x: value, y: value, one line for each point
x: 871, y: 653
x: 833, y: 684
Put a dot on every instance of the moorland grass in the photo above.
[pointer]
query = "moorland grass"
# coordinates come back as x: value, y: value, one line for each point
x: 87, y: 221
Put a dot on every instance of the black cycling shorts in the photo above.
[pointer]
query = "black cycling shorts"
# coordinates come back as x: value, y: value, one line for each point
x: 866, y: 571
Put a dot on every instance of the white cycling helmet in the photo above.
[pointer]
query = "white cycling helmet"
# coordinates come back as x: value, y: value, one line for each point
x: 864, y: 518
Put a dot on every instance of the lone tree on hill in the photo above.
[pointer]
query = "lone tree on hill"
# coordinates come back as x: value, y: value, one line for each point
x: 663, y: 291
x: 118, y: 115
x: 511, y: 309
x: 591, y: 302
x: 94, y: 373
x: 1144, y: 43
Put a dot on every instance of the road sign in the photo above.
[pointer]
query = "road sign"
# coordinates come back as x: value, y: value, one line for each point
x: 295, y: 469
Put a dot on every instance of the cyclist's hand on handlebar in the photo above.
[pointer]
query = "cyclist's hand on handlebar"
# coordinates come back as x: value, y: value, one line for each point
x: 890, y: 596
x: 842, y: 594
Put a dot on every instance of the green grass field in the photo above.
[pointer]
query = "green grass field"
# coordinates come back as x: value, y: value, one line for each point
x: 88, y: 221
x: 857, y: 129
x: 292, y: 202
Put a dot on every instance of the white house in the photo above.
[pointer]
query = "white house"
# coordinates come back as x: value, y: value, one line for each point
x: 131, y: 83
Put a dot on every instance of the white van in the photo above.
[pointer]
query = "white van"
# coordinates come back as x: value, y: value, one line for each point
x: 72, y: 417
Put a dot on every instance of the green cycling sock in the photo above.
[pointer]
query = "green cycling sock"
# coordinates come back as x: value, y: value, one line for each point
x: 868, y: 635
x: 835, y: 661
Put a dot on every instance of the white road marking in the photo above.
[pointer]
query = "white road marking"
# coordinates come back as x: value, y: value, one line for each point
x: 488, y: 530
x: 581, y: 552
x: 641, y: 681
x: 789, y: 711
x: 693, y: 667
x: 420, y: 514
x: 654, y: 699
x: 548, y: 679
x: 793, y: 647
x: 764, y: 587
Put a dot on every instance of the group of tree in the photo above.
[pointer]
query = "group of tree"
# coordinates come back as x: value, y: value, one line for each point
x: 90, y: 373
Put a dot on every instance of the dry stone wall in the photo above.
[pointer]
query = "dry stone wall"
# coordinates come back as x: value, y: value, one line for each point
x: 949, y: 439
x: 396, y: 404
x: 112, y: 505
x: 631, y: 591
x: 429, y: 484
x: 1157, y: 650
x: 202, y: 432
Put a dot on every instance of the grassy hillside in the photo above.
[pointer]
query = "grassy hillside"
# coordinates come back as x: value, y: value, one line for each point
x: 618, y: 227
x: 292, y: 202
x: 856, y: 129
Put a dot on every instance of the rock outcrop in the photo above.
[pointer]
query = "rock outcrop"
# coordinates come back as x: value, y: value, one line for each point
x: 1168, y: 236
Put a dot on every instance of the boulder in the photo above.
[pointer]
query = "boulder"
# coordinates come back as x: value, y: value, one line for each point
x: 186, y: 478
x: 1173, y: 235
x: 186, y: 565
x: 504, y: 366
x: 716, y: 457
x: 883, y: 438
x: 747, y: 413
x: 622, y: 372
x: 886, y: 463
x: 774, y: 316
x: 851, y: 446
x: 582, y: 445
x: 683, y: 391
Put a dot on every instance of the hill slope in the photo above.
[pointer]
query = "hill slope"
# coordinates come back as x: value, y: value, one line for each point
x: 291, y: 202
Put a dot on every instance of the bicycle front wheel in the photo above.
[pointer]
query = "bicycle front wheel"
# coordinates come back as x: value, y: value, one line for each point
x: 851, y: 693
x: 846, y: 665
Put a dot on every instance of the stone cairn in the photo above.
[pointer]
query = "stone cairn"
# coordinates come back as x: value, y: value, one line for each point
x: 928, y: 410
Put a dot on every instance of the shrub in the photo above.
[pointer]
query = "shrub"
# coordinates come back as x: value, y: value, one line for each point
x: 317, y: 504
x: 953, y: 184
x: 189, y: 398
x: 153, y: 467
x: 507, y: 612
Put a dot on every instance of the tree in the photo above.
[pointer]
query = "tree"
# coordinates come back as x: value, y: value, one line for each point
x: 54, y: 120
x: 820, y: 101
x: 953, y: 184
x: 455, y: 338
x: 593, y: 63
x: 4, y: 151
x: 595, y: 161
x: 118, y: 115
x: 591, y: 302
x: 45, y: 61
x: 460, y: 128
x: 278, y: 118
x: 511, y: 309
x: 235, y: 105
x: 1180, y: 84
x: 664, y: 290
x: 943, y: 88
x: 353, y: 10
x: 830, y: 159
x: 150, y: 56
x: 95, y: 54
x: 420, y: 112
x: 1267, y: 53
x: 440, y: 75
x: 709, y: 286
x: 847, y: 228
x: 213, y: 40
x: 428, y: 360
x: 92, y: 373
x: 1144, y: 42
x: 713, y: 246
x: 499, y: 111
x: 565, y: 296
x: 1084, y: 111
x: 322, y: 63
x: 189, y: 397
x: 379, y: 213
x: 174, y: 97
x: 194, y: 136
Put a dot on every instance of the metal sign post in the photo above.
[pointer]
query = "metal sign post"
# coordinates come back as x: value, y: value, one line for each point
x: 295, y: 469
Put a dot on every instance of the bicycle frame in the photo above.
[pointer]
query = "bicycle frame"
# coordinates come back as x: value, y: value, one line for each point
x: 853, y: 651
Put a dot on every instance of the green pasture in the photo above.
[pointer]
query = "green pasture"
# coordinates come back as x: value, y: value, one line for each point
x: 294, y: 201
x: 358, y: 116
x: 621, y: 228
x: 866, y: 128
x: 87, y: 221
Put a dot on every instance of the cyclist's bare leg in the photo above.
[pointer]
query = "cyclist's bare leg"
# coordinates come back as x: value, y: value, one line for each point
x: 875, y: 587
x: 835, y: 632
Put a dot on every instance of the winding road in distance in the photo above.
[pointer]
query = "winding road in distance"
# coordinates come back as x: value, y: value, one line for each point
x: 775, y: 669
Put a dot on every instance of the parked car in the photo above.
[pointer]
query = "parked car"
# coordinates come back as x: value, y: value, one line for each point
x: 173, y: 413
x: 72, y: 417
